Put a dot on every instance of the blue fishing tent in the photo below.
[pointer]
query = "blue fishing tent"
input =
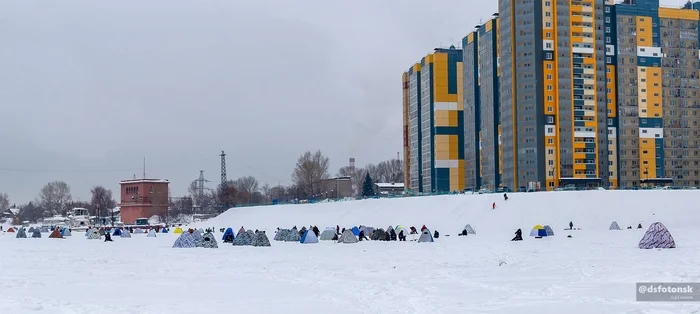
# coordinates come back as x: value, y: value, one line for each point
x: 356, y: 231
x: 227, y: 232
x: 117, y: 232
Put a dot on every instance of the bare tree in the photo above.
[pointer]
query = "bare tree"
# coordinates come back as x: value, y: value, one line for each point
x: 356, y: 175
x: 53, y: 197
x: 389, y: 171
x: 311, y: 168
x: 102, y: 201
x: 4, y: 202
x: 246, y: 187
x: 265, y: 191
x: 205, y: 201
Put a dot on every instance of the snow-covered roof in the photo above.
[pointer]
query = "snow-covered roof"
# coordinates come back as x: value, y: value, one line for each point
x: 144, y: 181
x: 13, y: 211
x: 389, y: 185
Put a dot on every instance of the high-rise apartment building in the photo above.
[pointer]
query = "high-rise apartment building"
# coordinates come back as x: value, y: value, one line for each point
x: 654, y: 56
x: 482, y: 149
x: 434, y: 123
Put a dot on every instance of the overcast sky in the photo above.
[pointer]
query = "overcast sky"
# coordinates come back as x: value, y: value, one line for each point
x: 88, y: 88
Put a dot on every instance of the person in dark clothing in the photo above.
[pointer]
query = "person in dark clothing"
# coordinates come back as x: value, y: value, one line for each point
x: 518, y: 235
x: 335, y: 237
x: 362, y: 236
x: 639, y: 226
x: 228, y: 238
x: 316, y: 231
x: 402, y: 237
x: 393, y: 235
x: 387, y: 236
x: 342, y: 231
x: 436, y: 234
x: 505, y: 196
x: 464, y: 233
x: 108, y: 238
x: 413, y: 230
x: 337, y: 229
x: 571, y: 225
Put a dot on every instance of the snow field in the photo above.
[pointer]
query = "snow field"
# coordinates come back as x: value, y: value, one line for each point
x: 593, y: 272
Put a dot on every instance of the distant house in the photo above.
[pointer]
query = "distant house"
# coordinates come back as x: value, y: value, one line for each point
x: 11, y: 214
x: 339, y: 187
x: 389, y: 189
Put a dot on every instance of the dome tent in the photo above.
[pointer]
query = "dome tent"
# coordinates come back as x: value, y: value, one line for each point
x: 56, y: 234
x: 327, y: 234
x: 228, y: 232
x: 243, y: 238
x: 356, y: 231
x: 347, y: 237
x: 185, y: 240
x: 260, y: 238
x: 309, y: 237
x: 614, y: 226
x: 31, y: 230
x: 21, y: 234
x: 548, y: 230
x: 469, y: 229
x: 426, y: 236
x: 177, y: 230
x: 208, y: 241
x: 94, y: 234
x: 538, y: 232
x: 379, y: 235
x: 125, y: 233
x: 151, y: 234
x: 36, y: 233
x: 117, y: 232
x: 657, y: 237
x: 66, y: 232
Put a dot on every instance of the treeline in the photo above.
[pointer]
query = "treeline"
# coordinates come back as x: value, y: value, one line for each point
x: 55, y: 198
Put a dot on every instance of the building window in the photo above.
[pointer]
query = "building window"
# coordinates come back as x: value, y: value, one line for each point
x: 549, y: 55
x: 549, y: 76
x: 607, y: 29
x: 549, y: 66
x: 549, y: 87
x: 550, y: 119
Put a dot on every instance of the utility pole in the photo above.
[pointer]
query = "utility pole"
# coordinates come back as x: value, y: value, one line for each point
x: 223, y: 169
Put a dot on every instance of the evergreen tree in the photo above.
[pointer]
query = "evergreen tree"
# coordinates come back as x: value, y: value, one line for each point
x: 368, y: 186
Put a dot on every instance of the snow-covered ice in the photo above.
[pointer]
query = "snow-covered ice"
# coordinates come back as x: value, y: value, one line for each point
x: 593, y: 272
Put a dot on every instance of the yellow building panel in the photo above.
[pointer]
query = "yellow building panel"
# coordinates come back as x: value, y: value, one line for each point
x: 445, y: 97
x: 488, y: 26
x: 416, y: 67
x: 470, y: 38
x: 442, y: 118
x: 454, y: 151
x: 442, y: 155
x: 590, y: 124
x: 442, y: 138
x: 440, y: 58
x: 679, y: 14
x: 644, y: 31
x: 453, y: 118
x: 453, y: 139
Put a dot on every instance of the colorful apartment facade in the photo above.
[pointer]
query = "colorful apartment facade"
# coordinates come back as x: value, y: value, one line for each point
x: 434, y: 123
x: 587, y: 93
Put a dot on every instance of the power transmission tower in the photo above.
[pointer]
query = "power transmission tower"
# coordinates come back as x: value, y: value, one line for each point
x: 223, y: 169
x: 200, y: 184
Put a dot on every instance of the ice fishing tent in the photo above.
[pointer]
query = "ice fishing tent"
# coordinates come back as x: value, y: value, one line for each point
x: 548, y: 230
x: 177, y: 230
x: 11, y: 229
x: 139, y: 231
x: 36, y: 233
x: 21, y: 234
x: 151, y: 234
x: 228, y: 232
x: 426, y: 236
x: 657, y: 237
x: 538, y: 232
x: 185, y: 240
x: 126, y: 234
x: 400, y: 228
x: 94, y: 234
x: 327, y: 234
x: 260, y: 238
x: 66, y: 232
x: 117, y: 232
x: 309, y: 237
x: 287, y: 235
x: 44, y: 229
x: 55, y: 234
x: 379, y: 235
x: 367, y: 230
x: 197, y: 235
x: 356, y: 231
x: 347, y: 237
x: 614, y: 226
x: 208, y: 241
x: 164, y: 230
x: 243, y: 238
x: 469, y: 229
x: 31, y: 230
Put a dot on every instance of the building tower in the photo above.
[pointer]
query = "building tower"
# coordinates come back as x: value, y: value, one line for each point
x: 553, y: 105
x: 435, y: 127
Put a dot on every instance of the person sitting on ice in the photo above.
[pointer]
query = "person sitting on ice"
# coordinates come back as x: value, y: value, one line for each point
x: 413, y: 230
x: 518, y: 235
x: 387, y: 236
x: 362, y: 236
x: 108, y: 237
x: 464, y: 233
x: 436, y: 234
x: 402, y: 237
x: 505, y: 196
x: 639, y: 226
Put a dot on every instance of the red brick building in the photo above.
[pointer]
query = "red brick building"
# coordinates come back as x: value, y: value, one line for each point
x: 143, y: 198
